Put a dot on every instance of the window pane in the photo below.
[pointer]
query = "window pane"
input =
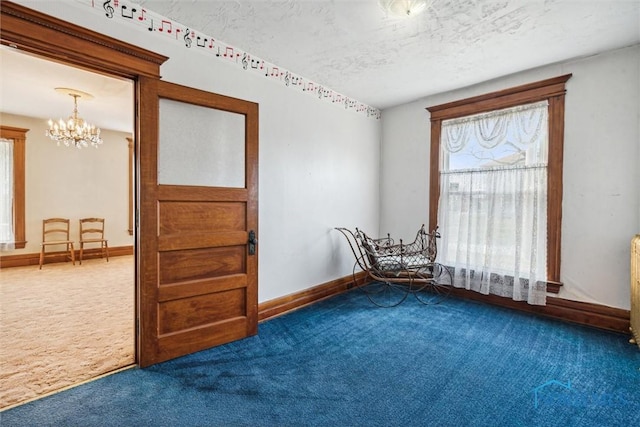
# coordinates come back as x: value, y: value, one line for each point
x: 6, y: 191
x: 508, y: 137
x: 200, y: 146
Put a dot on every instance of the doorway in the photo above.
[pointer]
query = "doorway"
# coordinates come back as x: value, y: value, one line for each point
x: 65, y: 324
x: 166, y: 327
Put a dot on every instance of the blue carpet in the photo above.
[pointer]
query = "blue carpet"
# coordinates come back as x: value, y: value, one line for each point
x: 344, y: 362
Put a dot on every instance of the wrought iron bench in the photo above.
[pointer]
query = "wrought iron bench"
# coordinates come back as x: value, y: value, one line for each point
x: 396, y: 270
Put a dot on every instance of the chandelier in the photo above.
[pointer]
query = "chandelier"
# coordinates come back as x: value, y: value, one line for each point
x: 405, y: 8
x: 74, y: 132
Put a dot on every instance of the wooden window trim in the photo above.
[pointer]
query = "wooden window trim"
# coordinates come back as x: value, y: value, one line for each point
x: 552, y: 90
x: 19, y: 137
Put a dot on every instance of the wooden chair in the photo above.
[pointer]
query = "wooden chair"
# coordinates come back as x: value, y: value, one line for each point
x: 55, y: 232
x: 92, y: 231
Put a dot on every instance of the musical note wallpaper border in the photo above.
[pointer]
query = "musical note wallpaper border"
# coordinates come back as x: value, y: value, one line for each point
x: 161, y: 26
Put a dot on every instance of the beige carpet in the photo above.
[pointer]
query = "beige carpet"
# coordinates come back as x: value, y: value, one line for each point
x: 63, y: 325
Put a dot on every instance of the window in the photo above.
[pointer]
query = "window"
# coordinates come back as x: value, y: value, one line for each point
x: 131, y: 172
x: 12, y: 205
x: 496, y: 189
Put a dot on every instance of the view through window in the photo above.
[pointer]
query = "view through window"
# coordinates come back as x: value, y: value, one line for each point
x: 496, y: 189
x: 493, y: 199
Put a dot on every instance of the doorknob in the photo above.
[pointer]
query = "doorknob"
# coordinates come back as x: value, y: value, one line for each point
x: 252, y: 242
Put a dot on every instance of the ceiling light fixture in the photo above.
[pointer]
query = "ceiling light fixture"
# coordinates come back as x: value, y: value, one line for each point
x: 74, y: 131
x: 405, y: 8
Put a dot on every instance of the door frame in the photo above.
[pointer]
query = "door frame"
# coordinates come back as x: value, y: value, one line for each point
x: 70, y: 44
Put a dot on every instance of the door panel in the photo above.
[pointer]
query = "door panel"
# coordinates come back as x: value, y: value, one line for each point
x: 197, y: 264
x: 184, y: 313
x: 228, y: 216
x: 199, y: 282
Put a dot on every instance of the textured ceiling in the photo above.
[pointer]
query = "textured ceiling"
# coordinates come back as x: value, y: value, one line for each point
x: 351, y: 47
x: 356, y: 49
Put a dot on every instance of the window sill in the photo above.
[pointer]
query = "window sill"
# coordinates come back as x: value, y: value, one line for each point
x: 553, y: 287
x: 19, y: 245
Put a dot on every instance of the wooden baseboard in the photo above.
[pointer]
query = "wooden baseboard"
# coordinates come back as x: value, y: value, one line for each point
x: 584, y: 313
x: 278, y: 306
x: 23, y: 260
x: 589, y: 314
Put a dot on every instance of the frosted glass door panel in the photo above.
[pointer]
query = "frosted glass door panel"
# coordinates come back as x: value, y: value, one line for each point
x: 200, y: 146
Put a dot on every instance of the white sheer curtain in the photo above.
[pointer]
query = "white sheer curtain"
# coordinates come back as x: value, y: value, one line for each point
x: 493, y: 202
x: 7, y: 237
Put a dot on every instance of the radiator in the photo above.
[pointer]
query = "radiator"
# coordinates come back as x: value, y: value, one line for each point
x: 635, y: 290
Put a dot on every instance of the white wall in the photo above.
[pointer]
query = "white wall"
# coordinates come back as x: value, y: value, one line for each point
x: 601, y: 199
x: 318, y: 163
x: 70, y: 183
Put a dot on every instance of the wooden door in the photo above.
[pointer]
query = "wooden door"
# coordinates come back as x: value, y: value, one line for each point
x: 198, y: 214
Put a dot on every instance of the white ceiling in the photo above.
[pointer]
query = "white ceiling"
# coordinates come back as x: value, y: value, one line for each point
x: 27, y: 88
x: 352, y: 47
